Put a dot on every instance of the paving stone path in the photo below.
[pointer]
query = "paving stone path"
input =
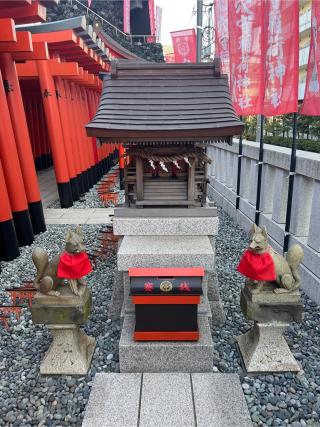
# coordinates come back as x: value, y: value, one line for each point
x: 168, y: 399
x: 78, y: 216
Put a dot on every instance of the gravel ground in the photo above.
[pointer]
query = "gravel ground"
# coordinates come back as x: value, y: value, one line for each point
x: 91, y: 198
x: 27, y: 399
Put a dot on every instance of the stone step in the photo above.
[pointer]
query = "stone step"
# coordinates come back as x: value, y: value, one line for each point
x: 170, y: 183
x: 165, y: 356
x: 166, y: 226
x: 166, y: 251
x: 169, y: 400
x: 157, y: 197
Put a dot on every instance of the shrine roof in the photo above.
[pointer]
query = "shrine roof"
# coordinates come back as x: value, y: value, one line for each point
x: 148, y: 102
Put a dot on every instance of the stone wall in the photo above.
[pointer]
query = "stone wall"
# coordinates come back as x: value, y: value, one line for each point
x: 305, y: 219
x: 112, y: 11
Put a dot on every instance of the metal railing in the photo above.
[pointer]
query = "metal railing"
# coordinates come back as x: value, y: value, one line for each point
x: 129, y: 37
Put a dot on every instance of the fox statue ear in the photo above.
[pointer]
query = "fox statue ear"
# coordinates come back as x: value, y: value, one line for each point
x: 79, y: 231
x: 253, y: 230
x: 68, y: 235
x: 264, y: 231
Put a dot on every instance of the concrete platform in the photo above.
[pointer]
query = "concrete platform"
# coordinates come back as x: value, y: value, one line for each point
x: 168, y: 400
x: 117, y: 300
x: 48, y: 186
x: 165, y: 356
x: 166, y: 251
x: 194, y: 226
x: 78, y: 216
x: 209, y: 210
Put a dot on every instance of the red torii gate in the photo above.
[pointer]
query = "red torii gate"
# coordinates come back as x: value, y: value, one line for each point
x: 49, y: 90
x: 21, y: 212
x: 76, y: 165
x: 15, y: 149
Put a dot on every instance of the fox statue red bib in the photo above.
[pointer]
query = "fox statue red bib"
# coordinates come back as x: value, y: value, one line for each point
x: 73, y: 266
x: 257, y: 266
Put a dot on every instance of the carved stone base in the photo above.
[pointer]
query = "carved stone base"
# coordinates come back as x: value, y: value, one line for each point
x: 264, y: 349
x: 70, y: 352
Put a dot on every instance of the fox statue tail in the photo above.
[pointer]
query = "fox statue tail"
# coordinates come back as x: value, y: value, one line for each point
x: 294, y: 258
x: 40, y: 259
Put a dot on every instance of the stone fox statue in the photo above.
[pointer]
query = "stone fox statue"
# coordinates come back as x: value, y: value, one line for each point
x: 48, y: 276
x: 262, y: 264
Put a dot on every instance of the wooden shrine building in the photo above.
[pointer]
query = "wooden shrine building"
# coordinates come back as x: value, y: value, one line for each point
x: 165, y: 115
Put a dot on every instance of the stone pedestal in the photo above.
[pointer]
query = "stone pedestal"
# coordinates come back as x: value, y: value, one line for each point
x: 71, y: 350
x: 165, y: 356
x: 264, y: 348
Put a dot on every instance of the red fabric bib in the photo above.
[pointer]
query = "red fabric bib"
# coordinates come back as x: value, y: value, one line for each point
x: 73, y: 266
x: 257, y: 266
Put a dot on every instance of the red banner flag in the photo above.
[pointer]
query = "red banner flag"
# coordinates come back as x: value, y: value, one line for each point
x: 246, y: 55
x: 281, y: 57
x: 311, y: 102
x: 184, y: 45
x: 152, y: 17
x: 222, y: 33
x: 126, y: 16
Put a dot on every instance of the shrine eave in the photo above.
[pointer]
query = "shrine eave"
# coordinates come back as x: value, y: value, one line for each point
x: 204, y: 135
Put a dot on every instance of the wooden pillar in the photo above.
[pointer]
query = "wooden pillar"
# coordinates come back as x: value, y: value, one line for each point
x: 75, y: 139
x: 121, y: 165
x: 139, y: 178
x: 63, y: 110
x: 9, y: 247
x: 80, y: 144
x: 44, y: 143
x: 82, y: 122
x: 13, y: 175
x: 191, y: 180
x: 37, y: 133
x: 28, y: 110
x: 92, y: 110
x: 86, y: 119
x: 55, y: 133
x: 90, y: 114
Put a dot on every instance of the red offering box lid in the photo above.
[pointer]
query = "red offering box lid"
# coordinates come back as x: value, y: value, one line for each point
x: 166, y: 272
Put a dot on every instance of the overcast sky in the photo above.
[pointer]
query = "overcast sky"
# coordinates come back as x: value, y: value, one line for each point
x: 176, y: 15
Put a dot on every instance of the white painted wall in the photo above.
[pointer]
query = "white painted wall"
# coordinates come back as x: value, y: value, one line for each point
x: 305, y: 220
